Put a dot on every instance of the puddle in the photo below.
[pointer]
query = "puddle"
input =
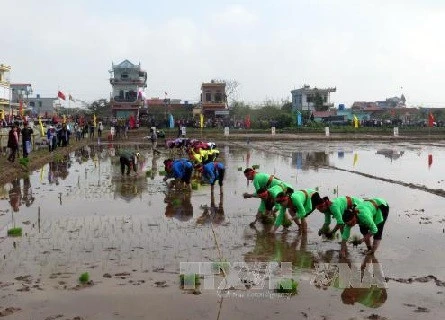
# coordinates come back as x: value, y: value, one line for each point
x: 79, y: 215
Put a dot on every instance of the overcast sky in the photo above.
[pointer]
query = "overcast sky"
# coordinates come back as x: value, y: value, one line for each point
x: 368, y: 50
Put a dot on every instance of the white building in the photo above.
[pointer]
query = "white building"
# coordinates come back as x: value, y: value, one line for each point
x: 5, y: 87
x: 128, y: 82
x: 303, y: 99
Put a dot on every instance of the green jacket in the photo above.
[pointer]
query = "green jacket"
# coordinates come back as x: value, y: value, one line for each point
x: 301, y: 204
x: 368, y: 216
x: 338, y: 207
x: 261, y: 180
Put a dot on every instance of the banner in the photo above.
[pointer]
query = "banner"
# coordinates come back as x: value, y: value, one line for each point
x: 201, y: 120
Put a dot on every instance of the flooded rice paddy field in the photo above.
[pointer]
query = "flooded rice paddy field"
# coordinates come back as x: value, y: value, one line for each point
x: 131, y: 234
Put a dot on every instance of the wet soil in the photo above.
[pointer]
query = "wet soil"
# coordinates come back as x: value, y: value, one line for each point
x: 131, y: 234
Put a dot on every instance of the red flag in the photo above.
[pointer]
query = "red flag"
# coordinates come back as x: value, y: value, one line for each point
x: 430, y: 160
x: 61, y: 95
x: 431, y: 120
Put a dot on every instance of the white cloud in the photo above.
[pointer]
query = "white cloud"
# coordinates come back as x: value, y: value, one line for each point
x: 235, y: 16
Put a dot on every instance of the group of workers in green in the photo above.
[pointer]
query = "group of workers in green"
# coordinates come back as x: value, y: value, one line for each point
x: 278, y: 197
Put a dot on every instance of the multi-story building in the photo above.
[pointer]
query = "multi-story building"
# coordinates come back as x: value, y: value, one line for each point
x: 128, y: 82
x: 304, y: 99
x: 43, y: 107
x: 214, y: 99
x: 5, y: 87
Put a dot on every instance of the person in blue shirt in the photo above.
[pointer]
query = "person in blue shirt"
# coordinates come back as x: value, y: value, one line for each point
x: 181, y: 170
x: 212, y: 172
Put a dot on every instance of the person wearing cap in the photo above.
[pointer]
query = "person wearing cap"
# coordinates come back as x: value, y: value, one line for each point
x: 266, y: 181
x: 26, y: 139
x: 181, y: 170
x: 370, y: 215
x: 300, y: 203
x: 212, y: 172
x: 128, y: 159
x: 335, y: 208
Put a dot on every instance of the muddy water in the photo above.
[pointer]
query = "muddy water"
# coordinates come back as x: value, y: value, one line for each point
x: 135, y: 233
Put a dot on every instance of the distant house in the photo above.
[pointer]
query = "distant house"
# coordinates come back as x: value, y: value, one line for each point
x: 303, y: 99
x: 41, y: 106
x: 213, y: 99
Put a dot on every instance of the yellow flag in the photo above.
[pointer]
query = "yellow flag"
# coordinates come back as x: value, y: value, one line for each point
x: 201, y: 120
x: 42, y: 132
x: 64, y: 119
x: 2, y: 114
x: 94, y: 119
x: 355, y: 159
x: 355, y: 122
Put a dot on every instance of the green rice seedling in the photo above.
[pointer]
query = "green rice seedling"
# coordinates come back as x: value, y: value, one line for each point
x: 195, y: 185
x: 255, y: 166
x: 189, y: 279
x: 148, y: 173
x: 240, y: 168
x: 288, y: 286
x: 15, y: 232
x: 84, y: 277
x: 162, y: 172
x: 287, y: 223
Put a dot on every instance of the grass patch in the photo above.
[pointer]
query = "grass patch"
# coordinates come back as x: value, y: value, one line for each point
x: 24, y: 162
x: 288, y: 286
x: 15, y: 232
x: 84, y: 277
x: 189, y: 280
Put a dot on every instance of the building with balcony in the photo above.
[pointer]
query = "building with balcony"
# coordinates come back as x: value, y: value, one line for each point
x: 304, y: 99
x: 5, y: 87
x: 128, y: 82
x: 214, y: 99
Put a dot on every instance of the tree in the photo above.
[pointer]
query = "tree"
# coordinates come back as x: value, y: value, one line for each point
x: 287, y: 106
x: 231, y: 89
x: 318, y: 101
x: 101, y: 108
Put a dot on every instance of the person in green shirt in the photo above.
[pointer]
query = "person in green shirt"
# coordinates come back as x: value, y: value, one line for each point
x: 300, y: 203
x: 371, y: 216
x: 335, y: 208
x: 266, y: 181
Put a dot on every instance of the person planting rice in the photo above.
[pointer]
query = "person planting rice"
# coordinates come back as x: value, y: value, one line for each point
x: 212, y: 172
x: 266, y: 181
x: 129, y: 160
x: 181, y: 170
x: 335, y: 208
x: 300, y: 203
x: 271, y: 207
x: 371, y: 215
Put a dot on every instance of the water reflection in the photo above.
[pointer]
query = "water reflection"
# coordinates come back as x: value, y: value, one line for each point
x: 213, y: 213
x: 371, y: 297
x: 390, y: 153
x: 15, y: 195
x: 269, y: 248
x: 309, y: 160
x: 129, y: 188
x: 178, y: 205
x: 58, y: 169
